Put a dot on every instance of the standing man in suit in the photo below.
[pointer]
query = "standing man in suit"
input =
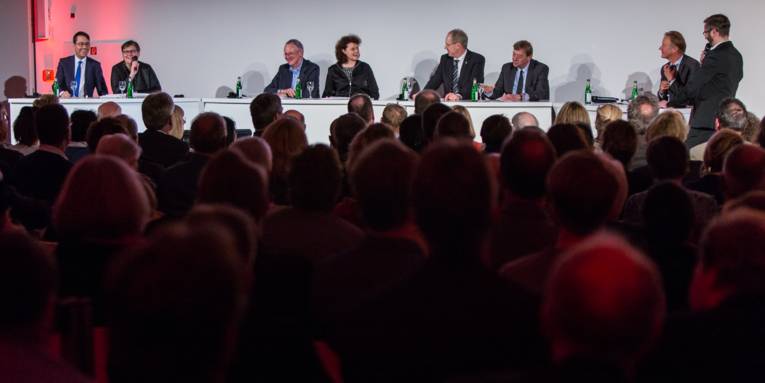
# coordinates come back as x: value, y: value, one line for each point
x: 722, y: 68
x: 458, y: 68
x: 81, y: 69
x: 679, y: 65
x: 296, y: 67
x: 523, y: 79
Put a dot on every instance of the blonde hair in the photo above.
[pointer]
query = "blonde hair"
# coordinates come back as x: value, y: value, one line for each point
x: 465, y: 112
x: 177, y: 123
x: 670, y: 123
x: 605, y: 114
x: 573, y: 112
x: 287, y: 139
x: 718, y: 147
x: 393, y: 115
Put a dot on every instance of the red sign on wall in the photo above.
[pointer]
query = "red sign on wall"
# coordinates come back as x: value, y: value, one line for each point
x: 48, y: 75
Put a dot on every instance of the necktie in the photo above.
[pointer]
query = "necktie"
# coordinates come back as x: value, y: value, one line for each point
x: 456, y: 76
x: 77, y: 77
x: 519, y: 89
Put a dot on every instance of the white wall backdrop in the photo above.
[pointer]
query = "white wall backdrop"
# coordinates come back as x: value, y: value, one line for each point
x: 16, y: 48
x: 199, y: 47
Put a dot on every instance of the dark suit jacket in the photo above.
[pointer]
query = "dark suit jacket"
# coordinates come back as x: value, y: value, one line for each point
x: 687, y: 67
x: 177, y: 190
x: 145, y: 80
x: 41, y: 175
x: 717, y: 79
x: 8, y: 160
x: 472, y: 69
x: 283, y: 79
x: 94, y: 76
x: 162, y: 148
x: 537, y: 86
x: 362, y: 81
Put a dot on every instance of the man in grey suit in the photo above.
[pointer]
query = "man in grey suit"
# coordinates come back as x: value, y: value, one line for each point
x: 523, y: 79
x: 679, y: 65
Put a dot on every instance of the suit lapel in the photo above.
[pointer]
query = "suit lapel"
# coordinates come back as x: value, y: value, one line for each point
x: 465, y: 71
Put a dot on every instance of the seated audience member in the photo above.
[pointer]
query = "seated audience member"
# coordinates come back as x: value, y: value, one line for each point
x: 668, y: 160
x: 566, y: 138
x: 640, y: 113
x: 78, y: 147
x: 752, y: 128
x: 178, y: 123
x: 603, y: 310
x: 523, y: 119
x: 341, y: 133
x: 603, y: 116
x: 109, y: 109
x: 717, y: 148
x: 158, y: 145
x: 123, y: 147
x: 296, y: 68
x: 668, y: 220
x: 100, y: 129
x: 488, y: 324
x: 430, y: 118
x: 229, y: 178
x: 732, y: 115
x: 572, y: 113
x: 315, y: 177
x: 238, y: 223
x: 411, y: 133
x: 171, y: 323
x: 255, y: 150
x: 8, y: 156
x: 265, y: 109
x: 524, y: 225
x: 365, y: 138
x: 28, y: 288
x: 424, y: 99
x: 46, y: 99
x: 25, y: 132
x: 586, y: 130
x: 91, y: 235
x: 392, y: 250
x: 453, y: 125
x: 721, y: 340
x: 292, y: 113
x: 393, y: 115
x: 494, y: 130
x: 131, y: 127
x: 753, y: 200
x: 231, y: 134
x: 141, y: 74
x: 361, y: 104
x: 581, y: 202
x: 177, y: 189
x: 744, y: 171
x: 287, y: 140
x: 620, y: 141
x: 465, y: 112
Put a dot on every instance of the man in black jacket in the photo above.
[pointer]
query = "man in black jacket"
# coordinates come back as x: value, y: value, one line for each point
x: 722, y: 68
x: 458, y: 68
x: 679, y: 65
x: 296, y: 68
x: 523, y: 79
x: 130, y: 69
x: 158, y: 145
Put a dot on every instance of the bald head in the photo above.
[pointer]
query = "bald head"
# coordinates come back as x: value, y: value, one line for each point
x: 256, y: 150
x: 744, y: 170
x: 524, y: 119
x: 109, y: 109
x: 292, y: 113
x: 424, y: 99
x: 361, y: 104
x: 208, y: 133
x: 121, y: 146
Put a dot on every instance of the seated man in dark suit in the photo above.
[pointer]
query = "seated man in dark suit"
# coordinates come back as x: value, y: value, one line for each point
x: 680, y: 65
x: 177, y: 190
x: 296, y: 68
x: 523, y: 79
x: 80, y: 69
x: 458, y: 68
x: 157, y: 144
x: 130, y: 69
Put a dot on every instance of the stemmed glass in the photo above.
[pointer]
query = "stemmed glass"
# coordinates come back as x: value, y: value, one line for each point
x: 72, y: 87
x: 122, y: 85
x: 309, y: 85
x: 410, y: 84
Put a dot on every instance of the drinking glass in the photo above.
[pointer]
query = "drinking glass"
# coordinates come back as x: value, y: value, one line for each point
x: 122, y: 85
x: 72, y: 87
x: 309, y: 85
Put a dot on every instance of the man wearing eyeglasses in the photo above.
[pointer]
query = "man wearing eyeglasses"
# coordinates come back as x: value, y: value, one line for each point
x: 79, y: 75
x: 130, y: 69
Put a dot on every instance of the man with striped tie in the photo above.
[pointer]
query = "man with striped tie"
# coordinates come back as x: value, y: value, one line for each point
x: 78, y: 75
x: 458, y: 68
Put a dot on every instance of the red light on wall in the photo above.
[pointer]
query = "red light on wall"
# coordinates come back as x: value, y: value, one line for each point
x: 48, y: 75
x: 93, y: 50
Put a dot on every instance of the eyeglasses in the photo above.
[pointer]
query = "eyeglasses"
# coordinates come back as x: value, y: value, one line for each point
x: 87, y: 44
x: 130, y: 51
x: 706, y: 31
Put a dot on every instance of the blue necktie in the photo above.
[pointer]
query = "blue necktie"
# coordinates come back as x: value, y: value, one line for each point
x: 77, y: 76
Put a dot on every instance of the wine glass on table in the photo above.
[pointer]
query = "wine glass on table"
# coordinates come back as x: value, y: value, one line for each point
x: 309, y: 85
x: 72, y: 87
x: 122, y: 85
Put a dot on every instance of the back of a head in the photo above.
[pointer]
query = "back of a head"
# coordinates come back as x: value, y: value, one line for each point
x: 668, y: 214
x: 315, y: 179
x: 494, y: 131
x: 670, y: 123
x: 157, y: 110
x: 566, y: 138
x: 130, y: 126
x: 256, y: 150
x: 81, y: 120
x: 752, y: 128
x: 122, y: 209
x: 237, y: 222
x: 718, y: 148
x: 424, y: 99
x: 27, y: 285
x: 361, y: 104
x: 461, y: 109
x: 586, y: 130
x: 364, y: 138
x: 121, y: 146
x: 744, y: 170
x: 453, y: 196
x: 231, y: 179
x: 603, y: 301
x: 411, y: 134
x: 620, y: 141
x: 101, y: 128
x: 526, y: 159
x: 264, y: 109
x: 430, y: 118
x: 178, y: 323
x: 52, y: 122
x: 393, y: 115
x: 230, y: 130
x: 46, y: 99
x: 641, y: 112
x: 572, y: 112
x: 292, y: 113
x: 581, y: 190
x: 524, y: 119
x: 453, y: 125
x: 732, y: 116
x: 342, y: 131
x: 208, y: 133
x: 109, y: 109
x: 287, y: 139
x: 667, y: 158
x: 381, y: 180
x: 24, y: 129
x: 606, y: 114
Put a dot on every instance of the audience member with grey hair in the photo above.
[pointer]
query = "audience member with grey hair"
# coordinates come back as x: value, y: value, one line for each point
x: 158, y: 146
x: 523, y: 119
x: 732, y: 115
